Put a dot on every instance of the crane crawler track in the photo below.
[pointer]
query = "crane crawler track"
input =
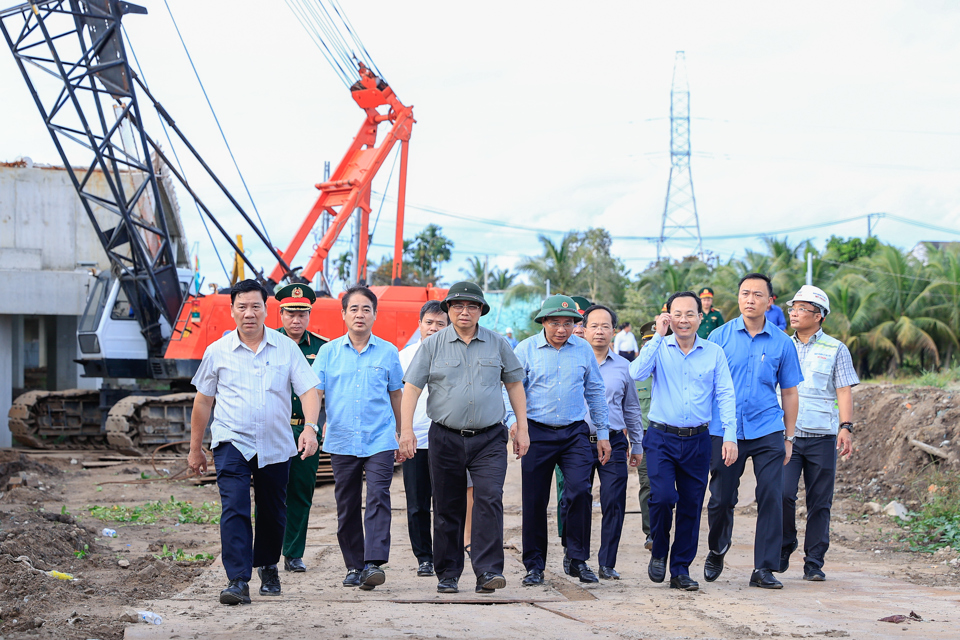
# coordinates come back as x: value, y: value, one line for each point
x: 67, y: 419
x: 137, y: 424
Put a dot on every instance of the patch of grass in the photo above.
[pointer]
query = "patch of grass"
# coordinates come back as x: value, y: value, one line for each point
x: 180, y: 556
x: 937, y: 523
x: 183, y: 511
x: 940, y: 379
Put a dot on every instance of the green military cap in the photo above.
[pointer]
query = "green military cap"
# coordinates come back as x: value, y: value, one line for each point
x: 582, y: 303
x: 296, y: 296
x: 558, y: 305
x: 647, y: 330
x: 706, y: 292
x: 465, y: 292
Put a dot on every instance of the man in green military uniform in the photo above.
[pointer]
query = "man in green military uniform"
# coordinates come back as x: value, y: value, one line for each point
x: 712, y: 318
x: 296, y: 300
x: 643, y: 391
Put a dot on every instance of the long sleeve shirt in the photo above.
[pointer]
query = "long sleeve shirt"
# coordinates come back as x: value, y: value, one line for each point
x: 561, y: 384
x: 687, y: 385
x: 623, y: 403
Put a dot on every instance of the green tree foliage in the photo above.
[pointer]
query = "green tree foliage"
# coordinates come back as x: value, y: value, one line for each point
x: 422, y: 257
x: 580, y: 264
x: 894, y: 312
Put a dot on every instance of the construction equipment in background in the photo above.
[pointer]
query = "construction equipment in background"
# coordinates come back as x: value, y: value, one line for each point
x: 144, y: 320
x: 237, y: 274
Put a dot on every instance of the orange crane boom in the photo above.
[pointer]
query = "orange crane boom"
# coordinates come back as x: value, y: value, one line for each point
x: 349, y: 186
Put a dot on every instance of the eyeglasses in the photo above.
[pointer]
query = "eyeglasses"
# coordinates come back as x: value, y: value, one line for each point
x: 460, y: 306
x: 799, y: 309
x: 690, y: 315
x: 557, y: 324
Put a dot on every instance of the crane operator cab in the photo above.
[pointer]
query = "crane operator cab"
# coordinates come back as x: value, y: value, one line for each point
x: 112, y: 344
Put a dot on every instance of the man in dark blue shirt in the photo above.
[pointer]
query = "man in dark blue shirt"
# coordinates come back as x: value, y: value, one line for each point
x: 761, y: 358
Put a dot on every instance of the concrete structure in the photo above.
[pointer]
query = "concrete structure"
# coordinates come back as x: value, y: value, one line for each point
x: 49, y: 255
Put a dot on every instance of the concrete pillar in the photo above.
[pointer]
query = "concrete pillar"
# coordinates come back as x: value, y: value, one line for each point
x: 17, y: 340
x: 61, y: 338
x: 6, y: 377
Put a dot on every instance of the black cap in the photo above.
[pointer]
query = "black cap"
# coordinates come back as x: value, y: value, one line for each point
x: 465, y: 292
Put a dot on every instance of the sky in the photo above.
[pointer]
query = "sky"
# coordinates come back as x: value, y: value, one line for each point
x: 555, y: 117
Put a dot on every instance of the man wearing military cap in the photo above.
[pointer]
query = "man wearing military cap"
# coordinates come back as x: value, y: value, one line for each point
x: 296, y: 300
x: 562, y: 381
x: 462, y: 366
x: 712, y: 318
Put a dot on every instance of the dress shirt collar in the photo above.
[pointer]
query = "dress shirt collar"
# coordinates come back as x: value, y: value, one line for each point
x: 453, y: 336
x: 304, y: 339
x: 609, y: 356
x: 740, y: 326
x: 671, y: 341
x: 541, y: 340
x: 372, y: 342
x: 269, y: 336
x: 812, y: 340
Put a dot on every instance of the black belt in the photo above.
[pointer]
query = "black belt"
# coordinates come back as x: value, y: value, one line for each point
x: 469, y: 433
x: 680, y: 431
x: 550, y: 426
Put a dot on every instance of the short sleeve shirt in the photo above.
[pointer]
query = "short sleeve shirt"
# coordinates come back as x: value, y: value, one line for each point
x: 464, y: 379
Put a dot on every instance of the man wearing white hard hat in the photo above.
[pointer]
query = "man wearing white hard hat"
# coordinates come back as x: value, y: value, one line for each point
x: 509, y: 336
x: 824, y: 426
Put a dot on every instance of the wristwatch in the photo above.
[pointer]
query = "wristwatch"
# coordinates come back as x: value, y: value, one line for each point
x: 847, y: 425
x: 313, y: 425
x: 789, y: 439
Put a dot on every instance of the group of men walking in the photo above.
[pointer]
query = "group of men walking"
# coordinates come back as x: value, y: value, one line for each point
x: 448, y: 406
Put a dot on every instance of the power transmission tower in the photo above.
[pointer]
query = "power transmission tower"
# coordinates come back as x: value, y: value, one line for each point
x: 680, y: 209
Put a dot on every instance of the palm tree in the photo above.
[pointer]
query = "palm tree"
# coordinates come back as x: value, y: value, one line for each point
x: 429, y: 249
x: 476, y: 272
x: 502, y: 279
x: 560, y: 263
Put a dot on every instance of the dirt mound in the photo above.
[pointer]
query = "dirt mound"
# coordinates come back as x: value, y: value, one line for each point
x: 14, y: 463
x: 885, y: 465
x: 48, y: 539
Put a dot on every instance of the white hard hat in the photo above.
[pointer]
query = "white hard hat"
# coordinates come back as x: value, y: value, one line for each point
x: 509, y: 330
x: 812, y: 294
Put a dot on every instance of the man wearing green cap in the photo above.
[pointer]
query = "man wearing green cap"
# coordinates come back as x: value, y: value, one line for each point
x: 712, y: 318
x: 296, y: 300
x: 462, y: 367
x: 562, y: 381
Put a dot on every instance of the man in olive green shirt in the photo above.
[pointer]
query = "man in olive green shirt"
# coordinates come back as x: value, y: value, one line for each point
x: 464, y: 366
x: 712, y: 318
x: 643, y: 392
x: 296, y: 300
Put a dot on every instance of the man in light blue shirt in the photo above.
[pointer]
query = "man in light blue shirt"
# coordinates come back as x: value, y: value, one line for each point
x: 690, y: 375
x: 761, y: 358
x: 361, y: 377
x: 561, y: 372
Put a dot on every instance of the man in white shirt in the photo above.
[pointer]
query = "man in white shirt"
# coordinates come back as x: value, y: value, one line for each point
x: 249, y: 373
x: 625, y: 343
x: 416, y: 470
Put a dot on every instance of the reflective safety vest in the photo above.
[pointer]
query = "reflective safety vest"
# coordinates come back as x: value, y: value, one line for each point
x: 819, y: 412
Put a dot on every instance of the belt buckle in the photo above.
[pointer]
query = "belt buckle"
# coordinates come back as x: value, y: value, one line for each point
x: 593, y: 438
x: 685, y: 431
x: 468, y: 433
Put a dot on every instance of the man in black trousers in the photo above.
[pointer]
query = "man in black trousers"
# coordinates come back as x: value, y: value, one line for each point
x: 463, y: 367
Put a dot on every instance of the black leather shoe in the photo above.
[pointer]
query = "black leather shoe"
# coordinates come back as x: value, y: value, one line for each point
x: 237, y: 592
x: 813, y: 573
x: 294, y: 564
x: 566, y: 563
x: 764, y: 579
x: 489, y: 582
x: 648, y: 545
x: 269, y: 580
x: 579, y: 569
x: 785, y: 553
x: 352, y: 579
x: 425, y: 569
x: 533, y: 578
x: 713, y: 566
x: 684, y: 583
x: 448, y: 585
x: 372, y: 576
x: 657, y: 569
x: 609, y: 573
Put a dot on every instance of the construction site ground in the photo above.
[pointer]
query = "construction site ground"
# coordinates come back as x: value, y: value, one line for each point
x: 870, y: 574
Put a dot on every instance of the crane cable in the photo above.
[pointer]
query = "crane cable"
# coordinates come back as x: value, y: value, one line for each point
x: 217, y: 120
x: 176, y: 157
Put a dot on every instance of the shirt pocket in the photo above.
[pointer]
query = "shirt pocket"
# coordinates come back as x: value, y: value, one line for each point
x: 375, y: 377
x: 821, y: 370
x: 769, y: 368
x: 489, y: 371
x: 444, y: 373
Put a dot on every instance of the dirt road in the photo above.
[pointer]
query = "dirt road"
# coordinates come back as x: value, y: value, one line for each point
x: 862, y: 587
